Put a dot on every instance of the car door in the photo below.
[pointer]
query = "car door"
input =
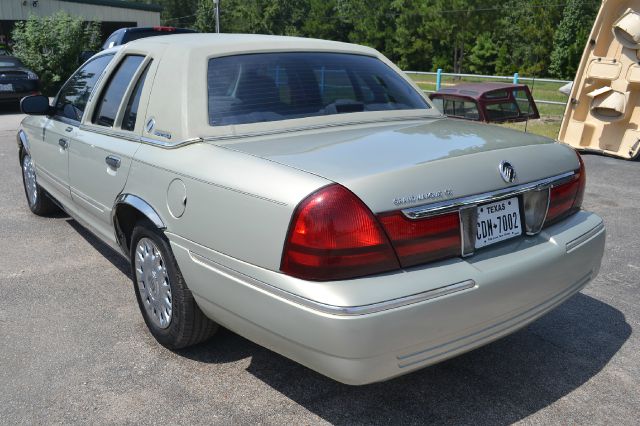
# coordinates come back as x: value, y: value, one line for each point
x: 102, y: 149
x: 52, y: 156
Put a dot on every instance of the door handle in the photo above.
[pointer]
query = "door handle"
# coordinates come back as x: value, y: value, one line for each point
x: 68, y: 129
x: 64, y: 144
x: 112, y: 161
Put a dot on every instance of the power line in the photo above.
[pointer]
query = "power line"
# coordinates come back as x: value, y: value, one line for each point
x: 500, y: 8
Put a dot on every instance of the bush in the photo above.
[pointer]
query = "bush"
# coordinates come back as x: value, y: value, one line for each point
x: 51, y: 46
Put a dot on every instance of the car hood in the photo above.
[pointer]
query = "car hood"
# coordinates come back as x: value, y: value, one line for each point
x: 400, y: 164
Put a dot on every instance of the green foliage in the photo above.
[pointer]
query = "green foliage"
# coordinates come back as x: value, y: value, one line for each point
x: 571, y: 37
x: 455, y: 35
x: 483, y: 56
x: 51, y: 46
x: 205, y: 17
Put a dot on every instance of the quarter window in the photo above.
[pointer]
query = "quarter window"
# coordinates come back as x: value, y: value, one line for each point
x: 74, y: 95
x: 107, y: 108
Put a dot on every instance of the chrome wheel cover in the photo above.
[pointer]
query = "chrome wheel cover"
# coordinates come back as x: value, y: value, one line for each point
x: 152, y: 280
x: 30, y: 184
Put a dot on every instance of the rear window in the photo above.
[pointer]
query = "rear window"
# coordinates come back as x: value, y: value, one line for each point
x: 10, y: 62
x: 279, y: 86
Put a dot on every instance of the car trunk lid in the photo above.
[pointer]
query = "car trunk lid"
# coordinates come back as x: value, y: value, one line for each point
x: 406, y: 164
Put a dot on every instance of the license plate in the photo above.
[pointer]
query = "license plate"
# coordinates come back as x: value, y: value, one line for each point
x: 6, y: 87
x: 497, y: 222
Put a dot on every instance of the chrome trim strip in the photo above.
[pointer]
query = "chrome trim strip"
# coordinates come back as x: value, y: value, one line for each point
x: 326, y: 308
x: 140, y: 205
x: 444, y: 206
x: 315, y: 127
x: 574, y: 244
x: 139, y: 139
x: 110, y: 132
x: 169, y: 145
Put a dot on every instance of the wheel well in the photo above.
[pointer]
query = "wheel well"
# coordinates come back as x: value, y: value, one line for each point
x: 125, y: 219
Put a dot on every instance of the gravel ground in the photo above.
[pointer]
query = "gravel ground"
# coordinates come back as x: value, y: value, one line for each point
x: 74, y: 348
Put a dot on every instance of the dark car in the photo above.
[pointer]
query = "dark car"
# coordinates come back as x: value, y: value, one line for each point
x: 16, y: 81
x: 125, y: 35
x: 490, y: 102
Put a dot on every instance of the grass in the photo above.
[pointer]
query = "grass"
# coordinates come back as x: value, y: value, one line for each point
x: 550, y: 115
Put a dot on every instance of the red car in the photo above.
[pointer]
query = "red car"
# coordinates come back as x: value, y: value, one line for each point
x: 489, y: 102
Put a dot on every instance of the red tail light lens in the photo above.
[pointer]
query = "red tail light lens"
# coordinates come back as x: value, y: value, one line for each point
x: 566, y: 199
x: 333, y: 235
x: 424, y: 240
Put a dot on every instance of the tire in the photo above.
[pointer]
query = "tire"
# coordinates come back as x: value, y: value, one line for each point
x: 166, y: 303
x: 37, y: 198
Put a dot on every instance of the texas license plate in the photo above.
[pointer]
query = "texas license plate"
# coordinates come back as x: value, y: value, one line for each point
x: 497, y: 222
x: 6, y: 87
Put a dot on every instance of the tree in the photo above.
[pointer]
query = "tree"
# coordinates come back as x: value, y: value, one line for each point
x: 571, y: 37
x: 205, y: 17
x: 483, y: 55
x: 51, y: 46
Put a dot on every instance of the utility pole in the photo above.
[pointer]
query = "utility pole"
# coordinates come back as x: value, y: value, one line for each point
x: 216, y: 5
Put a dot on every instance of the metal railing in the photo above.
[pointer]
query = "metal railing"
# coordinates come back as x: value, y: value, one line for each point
x: 515, y: 79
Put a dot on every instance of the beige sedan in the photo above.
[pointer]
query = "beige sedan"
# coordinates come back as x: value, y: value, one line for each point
x: 308, y: 196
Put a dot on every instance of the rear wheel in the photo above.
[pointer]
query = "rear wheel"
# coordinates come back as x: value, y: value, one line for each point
x: 166, y: 303
x: 37, y: 198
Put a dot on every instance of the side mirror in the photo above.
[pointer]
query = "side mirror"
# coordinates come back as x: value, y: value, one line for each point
x: 35, y: 105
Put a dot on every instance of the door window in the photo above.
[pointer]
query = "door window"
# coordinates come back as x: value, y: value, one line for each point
x: 111, y: 98
x: 131, y: 113
x: 72, y: 98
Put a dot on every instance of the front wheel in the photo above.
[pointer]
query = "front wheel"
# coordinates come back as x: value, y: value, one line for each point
x: 37, y: 198
x: 166, y: 303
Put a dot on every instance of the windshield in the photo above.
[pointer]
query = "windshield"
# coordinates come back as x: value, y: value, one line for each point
x: 279, y: 86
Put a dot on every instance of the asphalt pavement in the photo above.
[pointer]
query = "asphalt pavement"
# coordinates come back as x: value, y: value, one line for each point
x: 74, y: 347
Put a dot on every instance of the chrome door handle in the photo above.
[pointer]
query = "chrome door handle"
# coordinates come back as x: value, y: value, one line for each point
x: 112, y: 161
x: 64, y: 144
x: 68, y: 129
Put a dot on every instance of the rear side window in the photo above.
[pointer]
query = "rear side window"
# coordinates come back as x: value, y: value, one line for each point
x: 459, y: 108
x: 502, y: 111
x: 131, y: 113
x: 264, y: 87
x: 72, y: 98
x: 111, y: 98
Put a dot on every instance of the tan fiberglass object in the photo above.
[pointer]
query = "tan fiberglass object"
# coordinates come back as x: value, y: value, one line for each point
x: 603, y: 113
x: 223, y: 202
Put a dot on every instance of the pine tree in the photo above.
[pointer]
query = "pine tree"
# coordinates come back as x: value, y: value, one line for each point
x: 571, y: 36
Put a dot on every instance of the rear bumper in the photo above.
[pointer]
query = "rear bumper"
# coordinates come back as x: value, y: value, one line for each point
x: 463, y: 304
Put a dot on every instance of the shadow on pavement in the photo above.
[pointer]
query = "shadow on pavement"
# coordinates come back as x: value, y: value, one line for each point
x: 501, y: 383
x: 110, y: 254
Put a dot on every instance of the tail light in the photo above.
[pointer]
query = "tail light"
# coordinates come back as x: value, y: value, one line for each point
x: 424, y: 240
x: 566, y: 199
x: 333, y: 235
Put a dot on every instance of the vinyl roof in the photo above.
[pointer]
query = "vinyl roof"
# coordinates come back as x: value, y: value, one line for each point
x: 236, y: 43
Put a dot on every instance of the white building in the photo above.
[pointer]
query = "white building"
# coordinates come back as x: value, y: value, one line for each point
x: 112, y: 14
